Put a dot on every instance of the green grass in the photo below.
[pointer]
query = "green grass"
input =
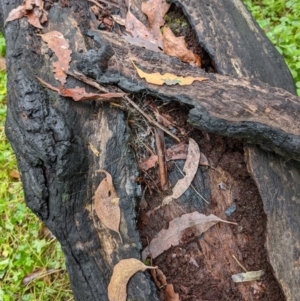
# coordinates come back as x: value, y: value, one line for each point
x: 24, y: 248
x: 280, y: 19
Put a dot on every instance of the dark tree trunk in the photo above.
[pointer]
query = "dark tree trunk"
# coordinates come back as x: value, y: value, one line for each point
x: 51, y: 135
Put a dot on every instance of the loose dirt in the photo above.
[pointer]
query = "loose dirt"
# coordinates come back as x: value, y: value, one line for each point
x: 200, y: 268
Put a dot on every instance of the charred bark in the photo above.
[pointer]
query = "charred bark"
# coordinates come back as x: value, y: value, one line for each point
x: 51, y: 135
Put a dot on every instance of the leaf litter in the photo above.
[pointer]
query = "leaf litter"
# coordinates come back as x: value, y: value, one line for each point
x: 33, y: 10
x: 106, y: 204
x: 167, y: 238
x: 122, y: 272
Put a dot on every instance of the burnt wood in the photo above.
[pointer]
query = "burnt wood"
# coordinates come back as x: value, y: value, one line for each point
x: 52, y: 135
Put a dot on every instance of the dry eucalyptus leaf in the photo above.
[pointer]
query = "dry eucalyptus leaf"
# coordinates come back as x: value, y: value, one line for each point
x: 248, y: 276
x: 122, y: 272
x: 167, y: 238
x: 159, y: 278
x: 60, y: 46
x: 176, y: 46
x: 170, y: 293
x: 148, y: 163
x: 107, y: 204
x: 79, y: 94
x: 190, y: 169
x: 155, y: 11
x: 167, y: 78
x: 137, y: 29
x: 179, y: 152
x: 33, y: 18
x: 16, y: 13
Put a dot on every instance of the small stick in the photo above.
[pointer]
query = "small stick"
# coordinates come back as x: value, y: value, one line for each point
x: 153, y: 122
x: 239, y: 263
x: 86, y: 80
x: 161, y: 149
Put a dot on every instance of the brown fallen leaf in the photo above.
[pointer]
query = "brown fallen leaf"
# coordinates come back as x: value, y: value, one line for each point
x: 16, y: 13
x: 138, y: 30
x: 176, y: 46
x: 122, y: 272
x: 172, y: 236
x: 79, y: 94
x: 14, y: 174
x: 32, y: 9
x: 159, y: 278
x: 190, y: 169
x: 148, y: 163
x: 155, y: 11
x: 170, y: 293
x: 167, y: 78
x: 107, y: 204
x: 179, y: 152
x: 33, y: 18
x: 29, y: 4
x: 60, y: 46
x: 2, y: 64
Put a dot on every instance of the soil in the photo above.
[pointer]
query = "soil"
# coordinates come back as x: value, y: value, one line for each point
x: 200, y: 268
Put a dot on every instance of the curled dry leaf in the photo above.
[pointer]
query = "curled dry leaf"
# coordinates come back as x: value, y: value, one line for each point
x: 159, y: 278
x: 155, y: 11
x: 248, y: 276
x: 176, y: 46
x: 167, y: 238
x: 60, y: 46
x: 138, y: 30
x: 79, y: 94
x: 32, y: 9
x: 34, y: 18
x: 122, y: 272
x: 179, y: 152
x: 190, y: 169
x: 14, y: 174
x: 167, y: 78
x: 16, y: 13
x: 170, y: 293
x: 107, y: 204
x: 148, y: 163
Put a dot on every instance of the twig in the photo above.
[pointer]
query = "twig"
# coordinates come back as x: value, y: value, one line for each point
x: 153, y: 122
x: 237, y: 261
x: 161, y: 149
x: 86, y: 80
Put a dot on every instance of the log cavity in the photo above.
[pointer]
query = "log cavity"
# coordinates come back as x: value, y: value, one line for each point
x: 176, y: 20
x: 200, y: 268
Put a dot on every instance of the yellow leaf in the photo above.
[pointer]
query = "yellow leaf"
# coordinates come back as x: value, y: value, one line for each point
x: 167, y: 78
x: 123, y: 271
